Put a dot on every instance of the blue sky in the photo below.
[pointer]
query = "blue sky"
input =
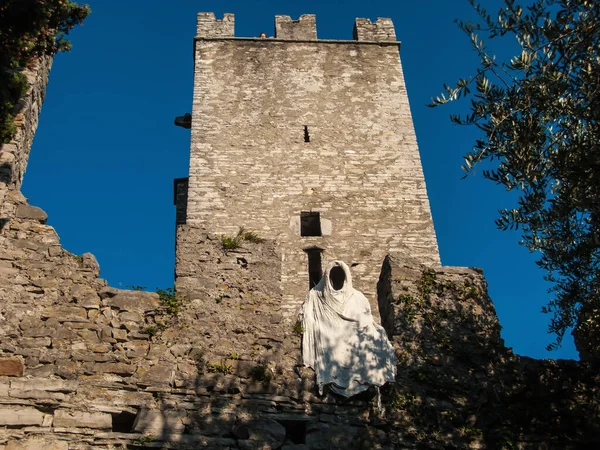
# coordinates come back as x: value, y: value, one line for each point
x: 106, y: 152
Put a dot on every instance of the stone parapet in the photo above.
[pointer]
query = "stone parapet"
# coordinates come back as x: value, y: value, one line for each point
x: 303, y: 29
x: 210, y: 27
x: 381, y: 30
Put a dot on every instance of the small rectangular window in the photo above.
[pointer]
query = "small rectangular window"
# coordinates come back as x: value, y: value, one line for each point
x: 310, y: 224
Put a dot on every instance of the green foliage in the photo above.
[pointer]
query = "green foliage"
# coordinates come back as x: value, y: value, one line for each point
x: 298, y: 327
x: 537, y: 114
x: 410, y: 306
x: 261, y: 373
x: 233, y: 355
x: 427, y: 281
x: 250, y: 236
x: 398, y: 401
x: 144, y: 440
x: 470, y: 291
x: 231, y: 243
x: 151, y: 330
x: 29, y: 29
x: 221, y: 367
x: 419, y: 374
x: 170, y: 300
x: 137, y: 288
x: 470, y: 430
x: 79, y: 259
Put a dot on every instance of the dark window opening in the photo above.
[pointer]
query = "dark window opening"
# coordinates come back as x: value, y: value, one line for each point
x: 315, y: 272
x: 123, y: 422
x: 310, y: 224
x: 180, y: 200
x: 295, y: 430
x: 306, y: 135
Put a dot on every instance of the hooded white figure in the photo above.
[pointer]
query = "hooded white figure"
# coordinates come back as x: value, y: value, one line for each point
x: 341, y: 342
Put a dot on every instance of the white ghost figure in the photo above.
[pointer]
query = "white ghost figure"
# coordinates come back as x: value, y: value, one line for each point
x: 340, y: 341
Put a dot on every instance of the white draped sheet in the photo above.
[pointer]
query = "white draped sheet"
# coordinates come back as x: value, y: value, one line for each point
x: 341, y: 342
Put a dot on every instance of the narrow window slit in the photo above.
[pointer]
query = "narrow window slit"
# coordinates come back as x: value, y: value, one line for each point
x: 315, y: 271
x: 306, y: 134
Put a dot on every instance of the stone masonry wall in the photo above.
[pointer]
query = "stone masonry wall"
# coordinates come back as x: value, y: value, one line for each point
x: 15, y: 154
x: 381, y: 30
x: 251, y: 166
x: 458, y: 386
x: 84, y: 366
x: 87, y: 366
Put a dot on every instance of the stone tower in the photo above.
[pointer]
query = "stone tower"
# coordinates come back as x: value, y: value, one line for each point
x: 309, y: 143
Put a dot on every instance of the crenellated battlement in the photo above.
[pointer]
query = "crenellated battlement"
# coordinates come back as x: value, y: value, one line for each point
x: 381, y: 30
x: 305, y: 28
x: 209, y: 26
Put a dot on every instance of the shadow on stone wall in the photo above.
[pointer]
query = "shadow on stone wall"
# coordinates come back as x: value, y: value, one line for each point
x: 459, y: 386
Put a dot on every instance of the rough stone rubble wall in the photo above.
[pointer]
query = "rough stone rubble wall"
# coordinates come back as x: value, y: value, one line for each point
x: 458, y: 386
x: 251, y: 167
x: 84, y: 366
x: 87, y: 366
x: 15, y: 154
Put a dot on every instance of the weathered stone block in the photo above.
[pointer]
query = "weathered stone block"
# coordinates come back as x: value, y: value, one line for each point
x: 134, y: 301
x: 37, y: 443
x: 70, y: 418
x: 20, y: 416
x: 157, y: 422
x: 65, y: 314
x: 45, y: 385
x: 85, y: 296
x: 31, y: 213
x: 90, y: 263
x: 136, y: 349
x: 160, y: 375
x: 117, y: 398
x: 11, y: 367
x: 35, y: 342
x: 37, y: 394
x: 119, y: 334
x: 122, y: 369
